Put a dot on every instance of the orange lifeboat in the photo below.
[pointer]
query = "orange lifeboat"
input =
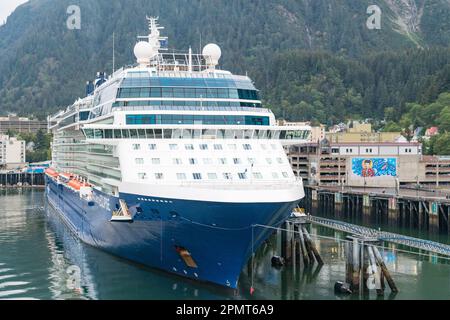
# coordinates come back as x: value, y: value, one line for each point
x: 52, y: 173
x: 75, y: 184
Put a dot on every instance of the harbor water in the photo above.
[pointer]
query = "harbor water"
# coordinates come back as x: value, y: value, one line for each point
x: 41, y: 259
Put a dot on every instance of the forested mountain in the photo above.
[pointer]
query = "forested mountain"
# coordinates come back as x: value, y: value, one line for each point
x: 310, y: 58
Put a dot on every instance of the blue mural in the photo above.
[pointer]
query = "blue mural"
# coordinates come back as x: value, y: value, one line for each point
x: 374, y: 167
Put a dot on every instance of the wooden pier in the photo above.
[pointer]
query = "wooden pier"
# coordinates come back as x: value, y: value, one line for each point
x: 21, y: 179
x: 415, y: 209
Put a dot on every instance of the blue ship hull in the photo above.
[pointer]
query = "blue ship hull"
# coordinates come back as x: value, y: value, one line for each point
x: 217, y: 235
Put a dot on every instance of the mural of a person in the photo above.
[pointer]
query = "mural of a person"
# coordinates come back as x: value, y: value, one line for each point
x: 367, y: 170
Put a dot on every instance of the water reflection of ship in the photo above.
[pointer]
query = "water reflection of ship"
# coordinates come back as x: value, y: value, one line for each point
x: 67, y: 254
x: 104, y: 276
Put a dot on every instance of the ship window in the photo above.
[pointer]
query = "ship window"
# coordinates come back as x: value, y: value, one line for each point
x: 189, y: 147
x: 264, y: 147
x: 274, y: 147
x: 136, y: 146
x: 274, y: 175
x: 207, y: 161
x: 237, y: 161
x: 197, y: 176
x: 279, y: 160
x: 108, y: 134
x: 139, y: 161
x: 159, y: 176
x: 177, y: 161
x: 251, y: 161
x: 158, y: 133
x: 257, y: 175
x: 212, y: 176
x: 156, y: 161
x: 152, y: 146
x: 142, y: 175
x: 269, y: 161
x: 247, y: 147
x: 125, y: 134
x: 223, y: 161
x: 150, y: 134
x: 133, y: 134
x: 98, y: 134
x: 203, y: 147
x: 181, y: 176
x: 141, y: 133
x: 227, y: 176
x: 173, y: 147
x: 218, y: 147
x: 285, y: 174
x: 192, y: 161
x: 242, y: 175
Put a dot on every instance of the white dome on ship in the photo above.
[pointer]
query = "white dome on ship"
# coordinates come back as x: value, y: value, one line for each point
x: 143, y: 52
x: 213, y: 53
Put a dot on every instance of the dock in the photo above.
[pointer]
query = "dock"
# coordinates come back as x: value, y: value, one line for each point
x: 21, y: 179
x: 427, y: 210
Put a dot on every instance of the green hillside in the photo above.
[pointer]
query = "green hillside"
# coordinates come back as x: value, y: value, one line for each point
x: 311, y: 58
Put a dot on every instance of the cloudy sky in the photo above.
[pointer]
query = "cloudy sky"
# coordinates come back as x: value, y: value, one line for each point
x: 8, y: 6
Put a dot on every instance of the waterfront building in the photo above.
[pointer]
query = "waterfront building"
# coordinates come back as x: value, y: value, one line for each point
x: 362, y: 132
x: 12, y: 152
x: 21, y: 125
x: 367, y: 164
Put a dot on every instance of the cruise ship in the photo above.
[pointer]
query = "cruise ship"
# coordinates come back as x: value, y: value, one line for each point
x: 173, y: 163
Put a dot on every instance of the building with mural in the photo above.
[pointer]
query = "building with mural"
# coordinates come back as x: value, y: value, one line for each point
x: 381, y: 164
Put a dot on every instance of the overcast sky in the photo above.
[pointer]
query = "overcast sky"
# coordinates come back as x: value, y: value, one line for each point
x: 8, y: 6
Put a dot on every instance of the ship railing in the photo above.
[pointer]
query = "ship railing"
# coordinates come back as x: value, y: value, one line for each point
x: 288, y: 135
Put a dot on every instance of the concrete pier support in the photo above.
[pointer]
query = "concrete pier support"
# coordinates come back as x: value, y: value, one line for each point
x: 393, y: 212
x: 433, y: 217
x: 338, y: 203
x: 420, y: 214
x: 367, y: 205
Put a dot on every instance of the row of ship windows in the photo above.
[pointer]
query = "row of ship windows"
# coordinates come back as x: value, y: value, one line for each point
x: 207, y: 93
x: 214, y: 176
x: 195, y: 134
x: 192, y: 81
x: 174, y: 146
x: 188, y: 105
x: 139, y: 119
x: 208, y: 161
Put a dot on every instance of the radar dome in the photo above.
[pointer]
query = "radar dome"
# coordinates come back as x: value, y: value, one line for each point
x: 143, y: 52
x: 213, y: 53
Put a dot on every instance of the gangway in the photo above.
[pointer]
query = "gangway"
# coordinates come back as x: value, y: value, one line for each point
x: 427, y: 245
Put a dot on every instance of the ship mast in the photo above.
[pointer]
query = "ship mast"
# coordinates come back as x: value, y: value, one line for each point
x: 154, y: 36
